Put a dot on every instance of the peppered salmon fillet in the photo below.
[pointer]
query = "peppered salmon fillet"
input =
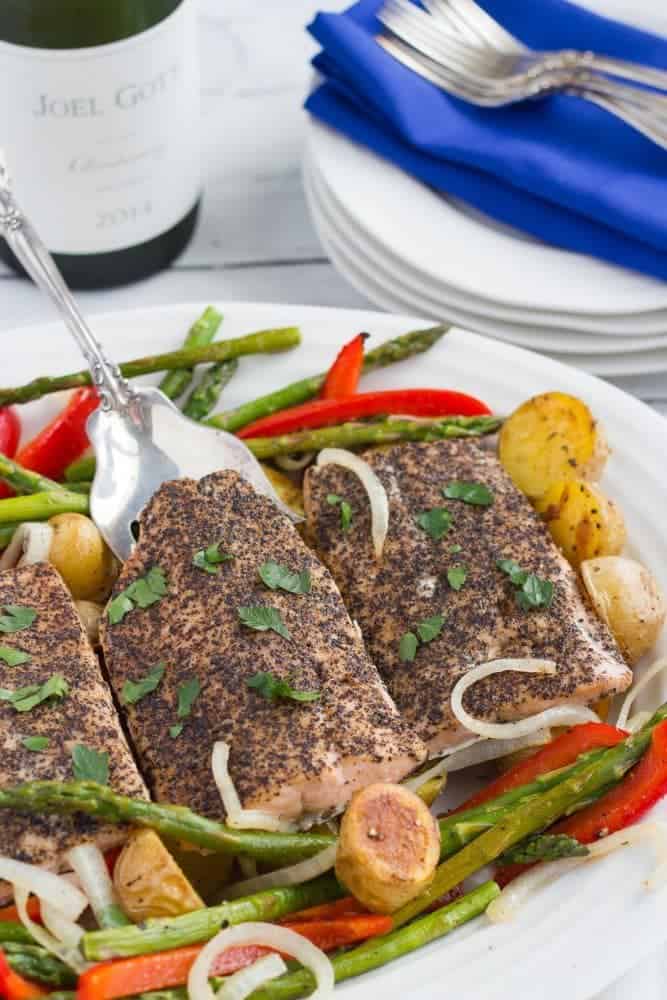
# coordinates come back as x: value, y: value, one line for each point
x: 294, y: 759
x: 49, y: 634
x: 483, y: 620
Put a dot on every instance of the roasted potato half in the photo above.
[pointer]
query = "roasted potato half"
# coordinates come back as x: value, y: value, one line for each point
x: 149, y: 882
x: 550, y: 439
x: 583, y: 522
x: 629, y: 599
x: 82, y: 557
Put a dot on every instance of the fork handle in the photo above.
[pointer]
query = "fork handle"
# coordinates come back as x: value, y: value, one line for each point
x: 627, y: 113
x: 630, y: 71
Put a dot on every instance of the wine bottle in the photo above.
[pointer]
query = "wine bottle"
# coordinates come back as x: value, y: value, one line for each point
x: 99, y: 107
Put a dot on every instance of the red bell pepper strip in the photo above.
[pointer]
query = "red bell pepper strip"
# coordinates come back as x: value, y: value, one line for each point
x: 11, y: 914
x: 346, y: 907
x: 406, y: 402
x: 558, y: 753
x: 128, y: 976
x: 343, y: 376
x: 10, y: 431
x: 63, y: 440
x: 15, y: 987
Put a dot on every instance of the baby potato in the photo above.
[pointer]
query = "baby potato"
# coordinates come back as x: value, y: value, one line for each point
x: 82, y: 557
x: 389, y: 847
x: 629, y: 599
x: 149, y: 882
x: 583, y: 522
x: 549, y: 439
x: 289, y: 492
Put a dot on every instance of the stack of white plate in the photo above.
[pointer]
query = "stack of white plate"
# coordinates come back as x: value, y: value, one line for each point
x: 410, y: 249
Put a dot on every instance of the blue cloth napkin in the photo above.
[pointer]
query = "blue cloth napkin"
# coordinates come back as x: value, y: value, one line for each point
x: 560, y: 168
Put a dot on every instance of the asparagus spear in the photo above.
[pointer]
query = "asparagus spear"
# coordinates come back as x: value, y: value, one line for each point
x: 200, y: 334
x: 201, y: 925
x: 205, y: 396
x: 354, y: 435
x: 11, y: 931
x: 36, y: 963
x: 24, y: 480
x: 385, y: 354
x: 545, y: 847
x: 263, y: 342
x: 81, y: 471
x: 6, y: 534
x: 42, y: 506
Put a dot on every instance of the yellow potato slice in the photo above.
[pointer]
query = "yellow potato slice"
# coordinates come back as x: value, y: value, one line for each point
x: 82, y: 557
x: 583, y: 522
x: 149, y: 882
x: 629, y: 599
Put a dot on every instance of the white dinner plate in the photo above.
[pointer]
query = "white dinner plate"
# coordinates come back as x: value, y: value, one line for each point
x: 525, y: 332
x: 590, y: 927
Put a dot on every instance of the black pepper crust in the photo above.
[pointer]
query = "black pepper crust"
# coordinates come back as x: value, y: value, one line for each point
x: 482, y: 620
x: 289, y: 757
x: 57, y: 644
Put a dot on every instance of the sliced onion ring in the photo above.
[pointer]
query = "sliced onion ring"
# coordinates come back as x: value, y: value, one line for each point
x: 562, y: 715
x: 485, y: 750
x: 246, y: 981
x: 49, y: 887
x: 237, y: 816
x: 71, y: 956
x: 269, y: 936
x: 294, y: 463
x: 31, y: 543
x: 303, y: 871
x: 656, y: 668
x: 88, y: 862
x: 377, y: 495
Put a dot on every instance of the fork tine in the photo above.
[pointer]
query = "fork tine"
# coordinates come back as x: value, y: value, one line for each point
x: 448, y: 15
x: 486, y: 27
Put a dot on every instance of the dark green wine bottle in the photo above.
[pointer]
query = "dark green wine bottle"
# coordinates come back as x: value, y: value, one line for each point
x: 99, y: 115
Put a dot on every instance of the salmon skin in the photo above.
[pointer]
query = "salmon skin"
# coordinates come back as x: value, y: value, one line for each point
x: 295, y: 760
x: 56, y: 644
x: 482, y: 620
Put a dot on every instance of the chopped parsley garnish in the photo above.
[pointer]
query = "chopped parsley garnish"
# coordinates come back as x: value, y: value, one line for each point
x: 426, y: 631
x: 454, y: 549
x: 144, y: 592
x: 532, y: 592
x: 278, y: 577
x: 457, y: 576
x: 16, y: 618
x: 175, y: 731
x: 36, y: 743
x: 188, y: 692
x: 210, y: 559
x: 435, y: 522
x: 26, y: 698
x: 134, y: 691
x: 264, y: 619
x: 407, y: 649
x: 345, y: 510
x: 474, y: 493
x: 90, y: 765
x: 273, y: 688
x: 13, y: 657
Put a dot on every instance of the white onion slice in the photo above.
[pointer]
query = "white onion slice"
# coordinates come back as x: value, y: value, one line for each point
x: 246, y: 981
x: 63, y: 929
x: 656, y: 668
x: 303, y: 871
x: 269, y: 936
x: 294, y: 463
x: 561, y: 715
x: 485, y: 750
x: 30, y: 544
x: 377, y: 495
x: 637, y: 722
x: 88, y: 862
x: 70, y: 956
x: 49, y: 887
x: 237, y: 816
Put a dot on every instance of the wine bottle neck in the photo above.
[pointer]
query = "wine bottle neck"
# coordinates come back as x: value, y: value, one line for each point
x: 71, y: 24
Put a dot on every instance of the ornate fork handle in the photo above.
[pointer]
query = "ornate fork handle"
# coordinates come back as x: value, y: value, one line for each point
x: 115, y: 393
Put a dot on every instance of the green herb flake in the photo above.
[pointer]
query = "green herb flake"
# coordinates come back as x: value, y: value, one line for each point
x: 264, y: 619
x: 143, y: 593
x: 532, y: 592
x: 134, y: 691
x: 455, y: 549
x: 26, y: 698
x: 210, y: 559
x: 36, y: 744
x: 273, y: 688
x: 90, y: 765
x: 473, y: 493
x: 16, y: 617
x: 430, y: 628
x: 13, y: 657
x: 517, y: 575
x: 175, y: 731
x: 435, y: 522
x: 278, y: 577
x: 407, y: 649
x: 457, y: 576
x: 345, y: 510
x: 188, y: 692
x: 333, y: 499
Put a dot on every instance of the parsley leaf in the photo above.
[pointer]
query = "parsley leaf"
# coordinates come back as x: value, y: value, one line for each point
x: 175, y: 731
x: 36, y: 743
x: 26, y: 698
x: 435, y: 522
x: 457, y: 576
x: 272, y: 688
x: 134, y: 691
x: 90, y: 765
x: 454, y: 549
x: 345, y: 510
x: 473, y: 493
x: 188, y: 692
x: 13, y: 657
x: 16, y: 618
x: 517, y: 575
x: 431, y: 628
x: 280, y: 577
x: 264, y: 619
x: 209, y: 559
x: 532, y: 592
x: 144, y: 592
x: 407, y: 649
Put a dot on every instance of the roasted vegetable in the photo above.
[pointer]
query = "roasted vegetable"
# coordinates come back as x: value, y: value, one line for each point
x: 81, y: 556
x: 628, y: 598
x: 91, y: 616
x: 583, y: 522
x: 289, y: 492
x: 389, y: 847
x: 149, y: 882
x: 551, y: 439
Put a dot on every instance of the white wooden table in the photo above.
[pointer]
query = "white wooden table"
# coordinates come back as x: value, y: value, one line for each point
x: 255, y: 241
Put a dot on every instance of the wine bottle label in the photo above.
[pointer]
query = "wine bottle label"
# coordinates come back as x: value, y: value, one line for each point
x: 103, y: 143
